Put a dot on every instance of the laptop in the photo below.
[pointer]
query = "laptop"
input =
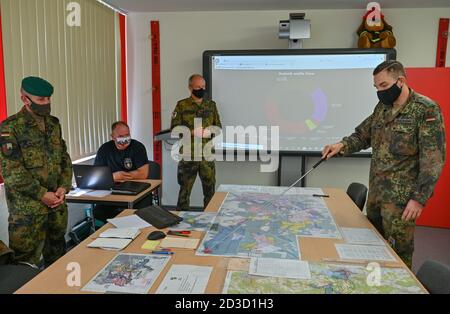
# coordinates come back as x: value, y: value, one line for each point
x: 101, y: 178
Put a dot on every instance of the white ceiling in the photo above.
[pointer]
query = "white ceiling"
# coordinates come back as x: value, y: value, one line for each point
x: 231, y: 5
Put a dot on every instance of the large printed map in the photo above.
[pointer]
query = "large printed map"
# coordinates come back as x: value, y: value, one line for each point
x: 326, y: 279
x: 253, y: 224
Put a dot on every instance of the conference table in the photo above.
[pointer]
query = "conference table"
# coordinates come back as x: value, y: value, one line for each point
x: 91, y: 261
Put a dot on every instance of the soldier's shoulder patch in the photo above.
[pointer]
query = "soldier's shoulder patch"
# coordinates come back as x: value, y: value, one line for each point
x: 174, y: 114
x: 8, y: 148
x: 6, y: 129
x: 432, y: 113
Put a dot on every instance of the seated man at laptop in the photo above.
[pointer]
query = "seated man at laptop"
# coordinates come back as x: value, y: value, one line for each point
x: 127, y: 159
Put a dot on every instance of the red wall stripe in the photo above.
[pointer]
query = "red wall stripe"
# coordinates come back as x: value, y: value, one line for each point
x: 441, y: 51
x: 156, y: 88
x: 123, y: 62
x: 3, y: 106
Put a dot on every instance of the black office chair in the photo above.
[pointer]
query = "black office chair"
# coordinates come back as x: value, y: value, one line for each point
x: 358, y: 194
x: 435, y: 277
x: 155, y: 170
x: 12, y: 277
x: 155, y: 174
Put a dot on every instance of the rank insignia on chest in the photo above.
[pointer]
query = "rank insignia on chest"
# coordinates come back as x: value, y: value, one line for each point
x: 404, y: 120
x: 128, y: 163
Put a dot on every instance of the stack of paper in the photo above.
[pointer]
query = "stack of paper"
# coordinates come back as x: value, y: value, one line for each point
x: 364, y: 252
x: 121, y: 233
x: 132, y: 221
x: 182, y: 243
x: 185, y: 279
x: 110, y: 244
x: 96, y: 193
x: 115, y: 238
x: 78, y: 192
x: 275, y: 267
x: 361, y: 236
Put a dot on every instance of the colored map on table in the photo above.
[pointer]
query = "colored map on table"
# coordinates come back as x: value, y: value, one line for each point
x: 326, y: 279
x: 266, y: 225
x: 196, y: 221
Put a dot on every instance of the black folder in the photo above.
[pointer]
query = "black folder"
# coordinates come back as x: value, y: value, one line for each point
x: 158, y: 217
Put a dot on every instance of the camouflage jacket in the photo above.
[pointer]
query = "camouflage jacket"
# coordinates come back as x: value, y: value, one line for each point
x: 32, y: 162
x: 408, y: 150
x: 187, y: 110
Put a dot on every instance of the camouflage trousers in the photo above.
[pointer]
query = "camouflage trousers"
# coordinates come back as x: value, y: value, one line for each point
x: 31, y: 236
x: 387, y: 219
x: 186, y: 175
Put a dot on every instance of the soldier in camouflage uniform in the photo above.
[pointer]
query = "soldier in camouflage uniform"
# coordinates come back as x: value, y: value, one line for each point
x: 37, y: 172
x: 184, y: 114
x: 407, y: 136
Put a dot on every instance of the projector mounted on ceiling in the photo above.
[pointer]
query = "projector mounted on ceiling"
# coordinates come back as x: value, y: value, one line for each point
x: 295, y: 29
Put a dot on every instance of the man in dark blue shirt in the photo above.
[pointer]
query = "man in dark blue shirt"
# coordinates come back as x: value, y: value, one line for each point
x: 127, y: 159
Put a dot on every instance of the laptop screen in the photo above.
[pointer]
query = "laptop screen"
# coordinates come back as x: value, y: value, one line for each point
x: 93, y: 177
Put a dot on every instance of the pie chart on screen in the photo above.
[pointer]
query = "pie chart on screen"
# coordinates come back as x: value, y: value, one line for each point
x: 295, y: 124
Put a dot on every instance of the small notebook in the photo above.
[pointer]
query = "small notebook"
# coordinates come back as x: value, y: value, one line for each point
x: 121, y: 233
x: 110, y: 244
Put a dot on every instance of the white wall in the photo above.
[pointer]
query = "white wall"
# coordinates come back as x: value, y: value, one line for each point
x: 184, y: 37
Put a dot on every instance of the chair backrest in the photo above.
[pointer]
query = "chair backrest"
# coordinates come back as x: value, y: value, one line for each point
x: 6, y: 254
x: 435, y: 277
x: 12, y: 277
x: 155, y: 170
x: 358, y: 194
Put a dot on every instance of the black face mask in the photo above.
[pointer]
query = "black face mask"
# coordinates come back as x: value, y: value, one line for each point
x: 199, y: 93
x: 40, y: 110
x: 388, y: 96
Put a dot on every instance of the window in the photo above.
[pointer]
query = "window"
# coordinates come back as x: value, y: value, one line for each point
x: 80, y: 61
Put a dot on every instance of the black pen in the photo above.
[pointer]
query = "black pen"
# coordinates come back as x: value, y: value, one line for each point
x: 321, y: 195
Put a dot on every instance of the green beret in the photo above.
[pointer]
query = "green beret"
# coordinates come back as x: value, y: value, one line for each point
x: 37, y: 86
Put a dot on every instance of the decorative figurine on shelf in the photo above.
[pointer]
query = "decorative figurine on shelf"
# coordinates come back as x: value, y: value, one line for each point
x: 374, y: 31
